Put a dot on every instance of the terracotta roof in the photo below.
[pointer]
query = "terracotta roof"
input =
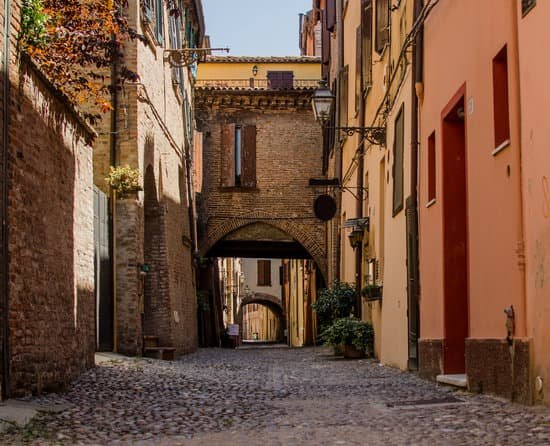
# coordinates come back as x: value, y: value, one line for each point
x: 263, y: 59
x: 249, y: 90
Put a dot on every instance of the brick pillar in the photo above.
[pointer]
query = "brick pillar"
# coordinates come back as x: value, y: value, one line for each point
x: 129, y: 286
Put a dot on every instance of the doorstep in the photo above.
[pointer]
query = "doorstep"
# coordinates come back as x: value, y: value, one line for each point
x: 457, y: 380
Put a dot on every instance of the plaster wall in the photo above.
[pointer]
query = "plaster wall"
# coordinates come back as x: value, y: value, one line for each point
x: 535, y: 97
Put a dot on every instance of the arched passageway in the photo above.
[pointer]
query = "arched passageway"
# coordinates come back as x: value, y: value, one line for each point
x: 269, y: 325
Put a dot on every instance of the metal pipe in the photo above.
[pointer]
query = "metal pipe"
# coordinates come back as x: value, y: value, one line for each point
x: 360, y: 194
x: 4, y: 210
x: 413, y: 269
x: 113, y: 162
x: 518, y: 124
x: 338, y: 148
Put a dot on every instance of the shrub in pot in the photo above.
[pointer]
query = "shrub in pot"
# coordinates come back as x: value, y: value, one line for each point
x: 356, y: 336
x: 334, y: 302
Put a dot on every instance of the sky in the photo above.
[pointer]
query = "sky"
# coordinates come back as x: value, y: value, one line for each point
x: 255, y: 27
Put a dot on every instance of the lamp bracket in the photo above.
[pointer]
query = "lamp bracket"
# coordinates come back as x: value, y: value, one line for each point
x: 185, y: 57
x: 374, y: 135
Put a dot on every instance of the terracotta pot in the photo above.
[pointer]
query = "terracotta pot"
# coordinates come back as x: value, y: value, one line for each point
x: 351, y: 352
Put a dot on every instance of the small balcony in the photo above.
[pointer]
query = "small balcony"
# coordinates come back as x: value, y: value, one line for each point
x: 257, y: 84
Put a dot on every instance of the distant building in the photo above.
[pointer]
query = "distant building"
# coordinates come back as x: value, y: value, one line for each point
x: 262, y: 147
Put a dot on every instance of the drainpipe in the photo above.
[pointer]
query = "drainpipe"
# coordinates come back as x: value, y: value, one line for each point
x: 521, y: 218
x: 360, y: 198
x: 338, y: 148
x: 4, y: 210
x: 113, y: 162
x: 413, y: 270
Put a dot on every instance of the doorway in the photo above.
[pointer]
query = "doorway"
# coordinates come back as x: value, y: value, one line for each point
x: 455, y: 235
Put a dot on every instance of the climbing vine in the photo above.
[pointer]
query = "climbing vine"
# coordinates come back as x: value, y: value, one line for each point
x: 76, y: 43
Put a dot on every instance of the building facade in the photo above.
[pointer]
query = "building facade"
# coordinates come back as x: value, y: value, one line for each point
x: 151, y: 129
x: 472, y: 235
x: 368, y: 61
x: 47, y: 273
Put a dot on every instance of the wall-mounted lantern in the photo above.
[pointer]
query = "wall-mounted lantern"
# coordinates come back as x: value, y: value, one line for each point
x: 322, y: 102
x: 255, y: 70
x: 356, y: 238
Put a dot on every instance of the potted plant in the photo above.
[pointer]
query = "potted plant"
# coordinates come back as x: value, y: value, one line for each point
x: 354, y: 335
x: 334, y: 302
x: 372, y: 292
x: 124, y: 180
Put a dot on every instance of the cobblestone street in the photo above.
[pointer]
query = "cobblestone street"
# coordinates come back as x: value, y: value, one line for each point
x: 275, y: 397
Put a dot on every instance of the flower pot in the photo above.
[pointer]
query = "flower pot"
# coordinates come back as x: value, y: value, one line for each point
x: 351, y: 352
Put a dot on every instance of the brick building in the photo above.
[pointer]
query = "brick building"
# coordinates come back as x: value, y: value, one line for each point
x: 47, y: 304
x: 262, y: 146
x: 151, y: 129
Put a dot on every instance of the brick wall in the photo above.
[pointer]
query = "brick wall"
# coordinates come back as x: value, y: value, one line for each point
x: 152, y: 227
x: 288, y: 154
x: 51, y: 281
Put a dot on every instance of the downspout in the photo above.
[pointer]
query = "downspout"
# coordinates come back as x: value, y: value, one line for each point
x: 338, y: 148
x: 521, y: 220
x: 360, y: 198
x: 5, y: 179
x: 413, y: 270
x: 113, y: 162
x: 520, y: 217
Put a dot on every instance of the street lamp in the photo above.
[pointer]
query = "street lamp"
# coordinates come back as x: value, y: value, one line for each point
x: 322, y: 102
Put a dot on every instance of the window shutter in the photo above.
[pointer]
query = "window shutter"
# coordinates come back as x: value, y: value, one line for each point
x: 260, y: 272
x: 280, y: 79
x: 227, y: 148
x: 382, y: 24
x: 267, y: 272
x: 331, y: 14
x: 344, y: 93
x: 159, y: 28
x: 367, y: 43
x: 358, y: 68
x: 249, y: 156
x: 325, y: 47
x: 398, y: 153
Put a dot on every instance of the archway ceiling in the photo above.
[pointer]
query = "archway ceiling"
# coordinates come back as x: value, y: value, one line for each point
x: 259, y: 240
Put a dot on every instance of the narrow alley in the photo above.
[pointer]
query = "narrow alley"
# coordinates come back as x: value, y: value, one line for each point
x: 275, y: 396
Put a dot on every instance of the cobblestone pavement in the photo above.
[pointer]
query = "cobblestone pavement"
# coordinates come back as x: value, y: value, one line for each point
x: 275, y: 397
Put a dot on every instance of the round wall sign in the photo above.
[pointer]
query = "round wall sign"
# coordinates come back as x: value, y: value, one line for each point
x: 324, y: 207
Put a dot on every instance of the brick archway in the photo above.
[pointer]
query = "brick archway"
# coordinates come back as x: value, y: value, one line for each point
x: 272, y: 302
x: 309, y: 234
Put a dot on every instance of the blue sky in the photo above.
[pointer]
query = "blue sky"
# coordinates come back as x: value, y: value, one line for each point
x: 255, y: 27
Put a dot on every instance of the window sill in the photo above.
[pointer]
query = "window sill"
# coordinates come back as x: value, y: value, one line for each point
x: 430, y: 203
x: 238, y: 189
x: 500, y: 148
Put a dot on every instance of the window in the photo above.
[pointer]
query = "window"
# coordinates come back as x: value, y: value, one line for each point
x: 358, y: 86
x: 382, y: 24
x: 330, y: 12
x: 366, y: 44
x: 264, y: 272
x: 344, y: 93
x: 500, y: 99
x: 431, y: 168
x: 398, y: 153
x: 238, y: 155
x: 280, y: 79
x: 153, y: 17
x: 527, y: 5
x: 174, y: 35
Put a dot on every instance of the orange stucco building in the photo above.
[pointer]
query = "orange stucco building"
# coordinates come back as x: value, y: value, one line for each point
x: 535, y: 158
x: 481, y: 184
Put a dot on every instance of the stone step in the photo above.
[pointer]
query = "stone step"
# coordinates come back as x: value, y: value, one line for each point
x: 456, y: 380
x: 150, y: 341
x: 166, y: 353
